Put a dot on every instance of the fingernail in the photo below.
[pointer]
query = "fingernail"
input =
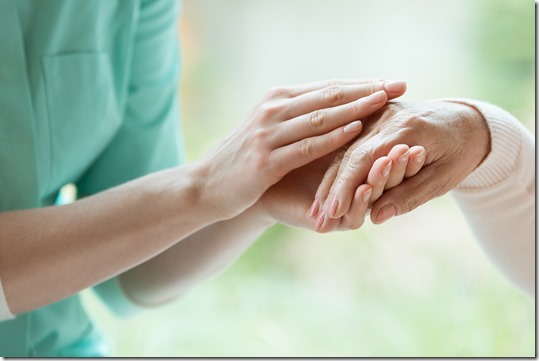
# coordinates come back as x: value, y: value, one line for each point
x: 394, y: 86
x: 319, y: 222
x: 367, y: 195
x: 315, y: 208
x: 404, y: 158
x: 420, y: 158
x: 387, y: 212
x: 353, y: 127
x: 379, y: 96
x: 334, y: 206
x: 386, y: 170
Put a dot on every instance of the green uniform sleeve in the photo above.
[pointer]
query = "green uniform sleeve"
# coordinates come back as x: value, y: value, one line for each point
x: 148, y: 139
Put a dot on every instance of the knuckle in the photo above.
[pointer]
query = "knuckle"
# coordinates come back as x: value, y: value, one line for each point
x: 261, y: 135
x: 338, y: 157
x: 277, y: 92
x: 270, y: 109
x: 258, y: 161
x: 346, y: 180
x: 333, y: 95
x: 360, y: 156
x: 414, y: 122
x: 306, y: 148
x: 334, y: 82
x: 318, y: 118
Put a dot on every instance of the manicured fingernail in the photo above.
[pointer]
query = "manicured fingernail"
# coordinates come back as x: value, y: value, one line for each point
x: 319, y: 222
x: 315, y: 208
x: 420, y: 158
x: 378, y: 97
x: 334, y: 206
x: 395, y: 86
x: 367, y: 195
x: 404, y: 158
x: 386, y: 170
x: 387, y: 212
x: 353, y: 127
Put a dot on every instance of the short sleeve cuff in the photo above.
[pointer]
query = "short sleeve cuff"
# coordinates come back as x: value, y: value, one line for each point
x: 506, y: 143
x: 113, y: 295
x: 5, y: 313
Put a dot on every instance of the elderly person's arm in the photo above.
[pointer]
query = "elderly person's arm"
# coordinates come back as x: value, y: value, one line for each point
x: 475, y: 148
x: 498, y: 198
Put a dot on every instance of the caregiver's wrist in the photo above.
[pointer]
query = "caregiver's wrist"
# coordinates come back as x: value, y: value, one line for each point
x: 209, y: 190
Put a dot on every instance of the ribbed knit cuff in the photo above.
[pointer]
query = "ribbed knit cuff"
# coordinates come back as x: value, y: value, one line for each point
x: 506, y: 144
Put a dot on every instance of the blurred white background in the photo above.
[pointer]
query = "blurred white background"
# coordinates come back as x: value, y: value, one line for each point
x: 418, y: 285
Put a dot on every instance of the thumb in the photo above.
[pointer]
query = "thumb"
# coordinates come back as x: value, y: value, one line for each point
x: 410, y: 194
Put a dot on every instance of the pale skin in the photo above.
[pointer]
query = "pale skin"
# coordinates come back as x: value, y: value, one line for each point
x: 456, y: 138
x: 402, y: 162
x: 210, y: 205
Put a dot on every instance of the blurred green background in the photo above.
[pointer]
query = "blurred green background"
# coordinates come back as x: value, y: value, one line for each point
x: 418, y: 285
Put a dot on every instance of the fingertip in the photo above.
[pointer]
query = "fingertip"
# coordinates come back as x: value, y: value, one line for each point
x: 363, y: 193
x: 319, y: 222
x: 354, y: 127
x: 378, y: 97
x: 384, y: 214
x: 334, y: 208
x: 315, y: 208
x: 377, y: 170
x: 387, y: 169
x: 420, y: 156
x: 395, y: 87
x: 398, y: 150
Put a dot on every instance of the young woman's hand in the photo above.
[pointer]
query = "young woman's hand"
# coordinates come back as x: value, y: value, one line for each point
x: 387, y: 172
x: 290, y: 201
x: 289, y: 128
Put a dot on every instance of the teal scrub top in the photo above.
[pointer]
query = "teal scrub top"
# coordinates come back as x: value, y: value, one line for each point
x: 88, y: 95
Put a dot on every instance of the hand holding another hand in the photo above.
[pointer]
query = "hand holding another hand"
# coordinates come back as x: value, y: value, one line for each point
x: 456, y: 139
x: 290, y: 128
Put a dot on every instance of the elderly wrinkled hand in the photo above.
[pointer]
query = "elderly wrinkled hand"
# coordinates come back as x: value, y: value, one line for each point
x: 456, y: 139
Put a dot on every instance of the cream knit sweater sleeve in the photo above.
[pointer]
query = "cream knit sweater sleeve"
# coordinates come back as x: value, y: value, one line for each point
x: 498, y: 198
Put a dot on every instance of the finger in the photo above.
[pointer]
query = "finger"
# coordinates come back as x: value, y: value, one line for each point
x: 305, y: 151
x: 376, y: 180
x: 297, y: 90
x: 378, y: 176
x: 323, y: 224
x: 352, y: 172
x: 325, y: 185
x: 356, y: 214
x: 333, y: 96
x: 324, y: 120
x: 399, y: 155
x: 416, y: 162
x: 412, y: 193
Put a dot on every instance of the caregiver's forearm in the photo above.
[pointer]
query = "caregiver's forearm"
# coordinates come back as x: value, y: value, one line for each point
x: 50, y: 253
x: 194, y: 259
